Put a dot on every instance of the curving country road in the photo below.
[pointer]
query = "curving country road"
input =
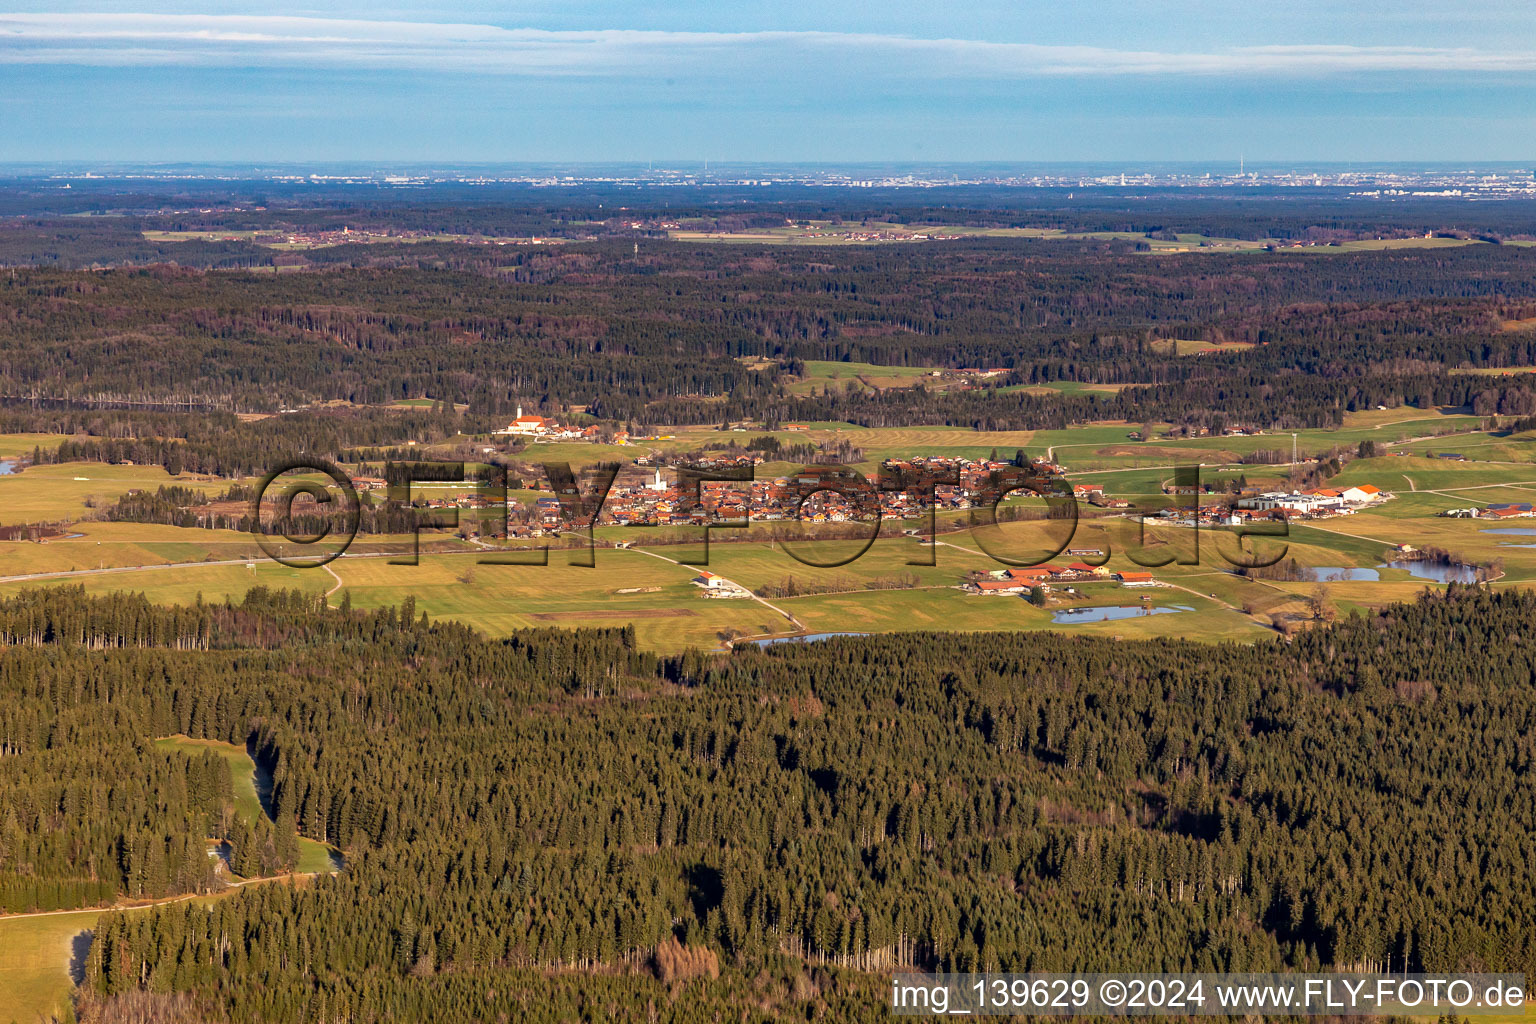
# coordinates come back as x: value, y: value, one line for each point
x: 792, y: 620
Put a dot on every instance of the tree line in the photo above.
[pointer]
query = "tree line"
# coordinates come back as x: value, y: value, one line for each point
x: 563, y: 805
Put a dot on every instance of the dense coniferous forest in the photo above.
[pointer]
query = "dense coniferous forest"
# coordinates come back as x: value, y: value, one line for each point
x: 557, y: 826
x: 666, y: 335
x: 222, y: 444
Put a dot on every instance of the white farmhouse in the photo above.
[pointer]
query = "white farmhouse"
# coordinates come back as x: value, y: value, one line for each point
x: 528, y: 425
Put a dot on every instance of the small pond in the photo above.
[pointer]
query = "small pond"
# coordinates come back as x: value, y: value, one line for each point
x: 1109, y: 613
x: 1339, y: 573
x: 802, y: 638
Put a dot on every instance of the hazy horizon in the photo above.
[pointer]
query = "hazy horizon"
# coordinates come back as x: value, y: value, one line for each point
x: 108, y: 168
x: 591, y: 81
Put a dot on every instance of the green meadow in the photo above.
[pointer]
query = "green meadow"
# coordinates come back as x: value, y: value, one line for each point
x: 314, y: 857
x: 37, y: 952
x: 41, y: 494
x: 35, y: 958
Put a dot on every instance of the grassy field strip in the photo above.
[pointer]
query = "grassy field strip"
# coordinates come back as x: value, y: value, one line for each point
x: 14, y: 445
x: 254, y: 559
x: 314, y: 857
x: 101, y: 545
x: 36, y: 954
x: 45, y: 494
x: 820, y: 373
x: 242, y: 770
x: 38, y: 950
x: 624, y: 587
x: 35, y: 957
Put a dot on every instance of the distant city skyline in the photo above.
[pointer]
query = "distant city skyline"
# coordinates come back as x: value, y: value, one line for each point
x: 594, y: 81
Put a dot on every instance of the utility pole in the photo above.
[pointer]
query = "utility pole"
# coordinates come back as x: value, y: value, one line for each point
x: 1295, y: 456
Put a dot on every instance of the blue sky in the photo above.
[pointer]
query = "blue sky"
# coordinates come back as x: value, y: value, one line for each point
x: 584, y: 80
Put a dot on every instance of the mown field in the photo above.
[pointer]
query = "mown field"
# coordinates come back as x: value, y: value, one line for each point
x: 1443, y: 431
x: 656, y: 597
x: 1194, y: 347
x: 36, y: 954
x: 186, y: 585
x: 1478, y: 445
x: 822, y: 374
x: 666, y: 610
x: 1100, y: 446
x: 1458, y: 480
x: 1067, y: 387
x: 14, y: 445
x: 40, y: 494
x: 96, y: 546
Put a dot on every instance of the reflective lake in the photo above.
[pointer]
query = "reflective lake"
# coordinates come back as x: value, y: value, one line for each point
x: 1077, y: 616
x: 1436, y: 571
x: 1339, y: 573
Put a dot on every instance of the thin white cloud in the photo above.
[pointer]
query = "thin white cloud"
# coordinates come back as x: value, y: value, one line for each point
x: 262, y: 41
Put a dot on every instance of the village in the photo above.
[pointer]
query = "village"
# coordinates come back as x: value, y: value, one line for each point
x: 813, y: 495
x: 659, y: 489
x: 654, y: 490
x: 1040, y: 579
